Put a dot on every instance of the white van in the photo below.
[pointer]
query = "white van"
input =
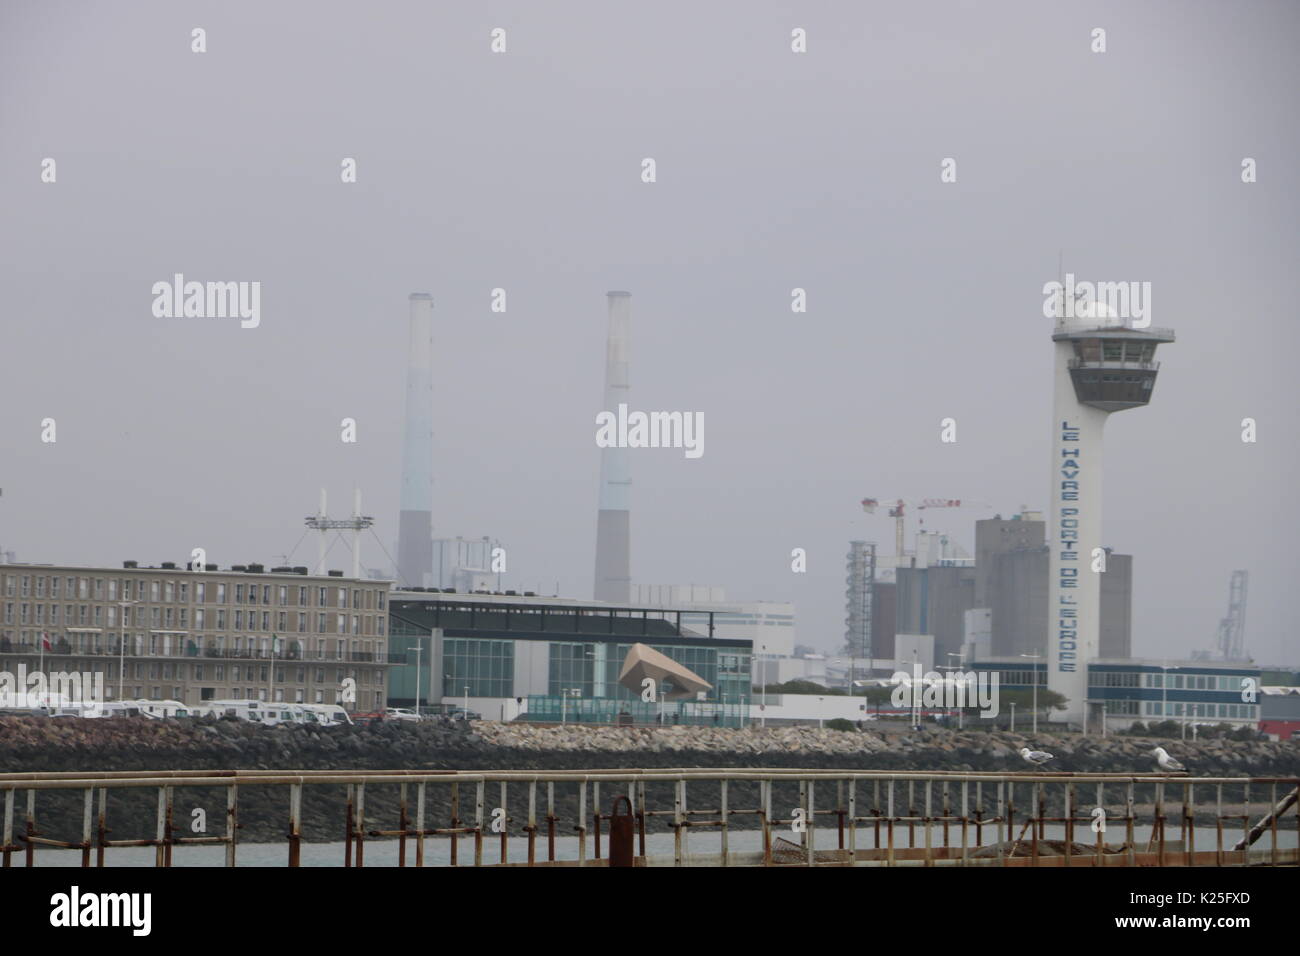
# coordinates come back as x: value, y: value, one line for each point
x: 327, y: 715
x: 115, y: 708
x: 158, y: 709
x: 267, y: 713
x: 253, y: 710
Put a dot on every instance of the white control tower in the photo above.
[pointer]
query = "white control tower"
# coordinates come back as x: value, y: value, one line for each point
x: 1102, y: 366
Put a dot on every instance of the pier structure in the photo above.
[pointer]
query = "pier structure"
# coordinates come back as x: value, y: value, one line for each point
x: 804, y: 817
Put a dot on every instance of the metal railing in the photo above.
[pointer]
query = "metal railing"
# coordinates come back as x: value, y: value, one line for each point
x: 872, y: 818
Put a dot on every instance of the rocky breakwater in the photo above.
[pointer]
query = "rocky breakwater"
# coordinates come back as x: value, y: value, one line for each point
x: 31, y: 744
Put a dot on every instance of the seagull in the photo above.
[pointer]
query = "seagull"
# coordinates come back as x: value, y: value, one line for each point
x: 1166, y: 762
x: 1039, y: 757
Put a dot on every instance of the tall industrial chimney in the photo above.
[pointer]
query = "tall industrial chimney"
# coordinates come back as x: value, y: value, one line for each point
x: 415, y: 523
x: 613, y: 543
x: 1102, y: 366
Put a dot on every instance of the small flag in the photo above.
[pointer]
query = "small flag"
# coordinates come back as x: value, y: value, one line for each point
x: 45, y: 641
x: 275, y: 644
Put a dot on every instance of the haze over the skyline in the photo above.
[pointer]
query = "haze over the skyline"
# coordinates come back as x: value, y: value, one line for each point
x: 522, y: 171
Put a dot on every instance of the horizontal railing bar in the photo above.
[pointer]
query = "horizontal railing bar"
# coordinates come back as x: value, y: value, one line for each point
x: 343, y: 778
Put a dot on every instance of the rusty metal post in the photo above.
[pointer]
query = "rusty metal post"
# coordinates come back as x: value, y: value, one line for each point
x: 582, y: 823
x: 1128, y: 813
x: 947, y: 812
x: 622, y: 831
x: 359, y: 828
x: 678, y: 819
x: 889, y: 823
x: 168, y: 833
x: 505, y: 823
x: 295, y: 824
x: 88, y: 808
x: 595, y: 813
x: 8, y: 833
x: 347, y: 829
x: 403, y: 823
x: 640, y: 817
x: 1069, y: 821
x: 30, y: 851
x: 1218, y: 825
x: 232, y: 822
x: 853, y: 818
x: 532, y: 822
x: 101, y: 829
x: 160, y: 855
x: 839, y: 812
x: 965, y: 817
x: 478, y: 822
x: 811, y: 831
x: 455, y: 821
x: 929, y: 823
x: 550, y: 821
x: 1101, y: 834
x: 419, y: 823
x: 725, y: 822
x: 765, y: 800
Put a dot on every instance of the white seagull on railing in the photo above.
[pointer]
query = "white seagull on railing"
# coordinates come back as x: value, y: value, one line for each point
x: 1039, y: 757
x: 1166, y: 762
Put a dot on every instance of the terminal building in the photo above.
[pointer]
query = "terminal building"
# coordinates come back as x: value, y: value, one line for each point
x: 508, y: 656
x: 195, y: 635
x: 1145, y: 691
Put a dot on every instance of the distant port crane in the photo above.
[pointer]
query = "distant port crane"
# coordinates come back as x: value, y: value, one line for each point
x: 898, y: 510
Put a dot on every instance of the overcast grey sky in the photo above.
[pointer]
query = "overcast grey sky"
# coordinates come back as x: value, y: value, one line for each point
x: 775, y: 170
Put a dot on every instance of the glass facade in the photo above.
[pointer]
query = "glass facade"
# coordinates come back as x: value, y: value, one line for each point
x: 593, y: 669
x: 606, y: 710
x: 486, y: 667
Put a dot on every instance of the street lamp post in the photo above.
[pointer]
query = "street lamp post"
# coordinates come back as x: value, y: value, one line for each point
x: 418, y: 649
x: 961, y: 663
x: 1013, y: 716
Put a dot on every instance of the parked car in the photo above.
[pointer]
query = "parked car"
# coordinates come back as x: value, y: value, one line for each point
x: 400, y: 713
x: 460, y: 713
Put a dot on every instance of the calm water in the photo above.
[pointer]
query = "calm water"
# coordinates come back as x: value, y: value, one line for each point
x: 437, y: 851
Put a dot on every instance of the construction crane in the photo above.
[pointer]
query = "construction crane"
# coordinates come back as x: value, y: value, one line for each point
x: 898, y: 510
x: 1232, y: 629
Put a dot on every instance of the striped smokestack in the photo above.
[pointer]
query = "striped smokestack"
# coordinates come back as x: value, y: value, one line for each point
x: 415, y: 523
x: 613, y: 546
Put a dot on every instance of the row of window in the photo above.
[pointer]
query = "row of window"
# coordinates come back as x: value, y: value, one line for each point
x: 1019, y: 678
x: 84, y: 615
x: 181, y: 645
x: 169, y: 592
x: 167, y: 670
x: 1179, y: 709
x: 1175, y: 681
x: 1115, y: 350
x: 155, y: 692
x: 486, y: 668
